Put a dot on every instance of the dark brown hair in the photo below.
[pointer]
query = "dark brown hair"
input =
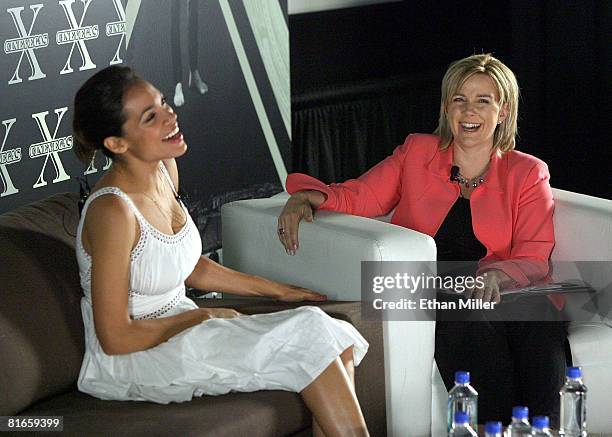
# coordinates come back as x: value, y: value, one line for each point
x: 98, y: 110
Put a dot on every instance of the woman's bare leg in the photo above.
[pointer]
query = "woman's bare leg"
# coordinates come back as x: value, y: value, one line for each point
x: 332, y: 401
x: 347, y: 361
x: 316, y: 429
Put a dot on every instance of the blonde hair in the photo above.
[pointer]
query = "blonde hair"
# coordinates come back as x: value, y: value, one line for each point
x: 507, y: 88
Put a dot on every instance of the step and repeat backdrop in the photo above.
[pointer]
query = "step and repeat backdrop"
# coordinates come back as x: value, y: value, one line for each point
x: 223, y: 64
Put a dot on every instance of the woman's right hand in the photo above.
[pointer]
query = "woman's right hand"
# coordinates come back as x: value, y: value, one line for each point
x: 297, y: 208
x: 218, y: 313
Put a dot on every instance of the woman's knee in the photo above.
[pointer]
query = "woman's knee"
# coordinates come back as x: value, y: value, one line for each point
x: 347, y: 355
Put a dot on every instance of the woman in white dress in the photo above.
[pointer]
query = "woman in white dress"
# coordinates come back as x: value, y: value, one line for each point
x: 137, y: 248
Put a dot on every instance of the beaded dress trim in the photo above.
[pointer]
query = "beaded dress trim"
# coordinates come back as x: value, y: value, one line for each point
x: 164, y: 309
x: 146, y: 231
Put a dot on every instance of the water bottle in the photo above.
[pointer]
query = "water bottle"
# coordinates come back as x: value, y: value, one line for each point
x: 493, y: 429
x: 462, y: 397
x: 519, y: 427
x: 573, y: 405
x: 461, y: 426
x: 541, y: 426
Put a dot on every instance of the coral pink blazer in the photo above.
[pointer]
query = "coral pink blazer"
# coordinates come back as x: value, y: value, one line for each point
x: 512, y: 211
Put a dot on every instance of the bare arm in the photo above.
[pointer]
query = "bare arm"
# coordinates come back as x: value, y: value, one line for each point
x: 110, y: 233
x: 298, y: 207
x: 209, y: 275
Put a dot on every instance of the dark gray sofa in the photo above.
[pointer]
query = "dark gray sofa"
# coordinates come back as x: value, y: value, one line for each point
x: 41, y: 347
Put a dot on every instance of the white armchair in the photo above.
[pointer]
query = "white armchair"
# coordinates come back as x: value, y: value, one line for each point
x: 329, y: 261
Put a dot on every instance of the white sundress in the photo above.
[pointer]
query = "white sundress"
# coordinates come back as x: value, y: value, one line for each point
x: 285, y: 350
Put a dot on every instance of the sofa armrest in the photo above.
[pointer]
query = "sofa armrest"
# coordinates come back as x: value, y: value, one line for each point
x: 331, y: 248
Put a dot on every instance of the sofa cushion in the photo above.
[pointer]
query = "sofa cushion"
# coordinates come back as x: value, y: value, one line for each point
x: 41, y: 332
x: 271, y: 413
x: 41, y: 345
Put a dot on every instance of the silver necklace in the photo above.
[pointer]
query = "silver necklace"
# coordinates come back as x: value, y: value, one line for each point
x: 474, y: 182
x: 172, y: 216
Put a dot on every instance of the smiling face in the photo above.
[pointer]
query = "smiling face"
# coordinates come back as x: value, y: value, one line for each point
x: 474, y: 111
x: 151, y: 131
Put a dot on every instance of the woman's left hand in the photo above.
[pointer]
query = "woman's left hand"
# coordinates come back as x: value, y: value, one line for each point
x: 293, y: 293
x: 492, y: 281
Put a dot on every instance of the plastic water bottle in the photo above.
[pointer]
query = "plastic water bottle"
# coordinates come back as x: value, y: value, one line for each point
x: 520, y: 427
x: 461, y: 426
x: 573, y: 405
x: 462, y: 397
x: 541, y: 426
x: 493, y: 429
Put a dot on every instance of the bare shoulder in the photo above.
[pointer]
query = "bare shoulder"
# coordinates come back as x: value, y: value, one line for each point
x: 109, y: 219
x: 172, y: 171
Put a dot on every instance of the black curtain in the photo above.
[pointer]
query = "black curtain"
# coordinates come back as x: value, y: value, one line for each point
x: 562, y: 55
x: 560, y: 51
x: 339, y: 133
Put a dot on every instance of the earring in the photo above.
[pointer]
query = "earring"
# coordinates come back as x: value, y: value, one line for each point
x: 499, y: 122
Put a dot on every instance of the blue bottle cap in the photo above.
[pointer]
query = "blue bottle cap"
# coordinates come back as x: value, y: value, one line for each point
x: 541, y: 422
x: 462, y: 377
x: 574, y: 372
x: 493, y: 427
x: 462, y: 417
x: 520, y: 413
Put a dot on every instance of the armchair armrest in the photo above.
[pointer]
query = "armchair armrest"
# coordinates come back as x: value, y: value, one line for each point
x: 329, y: 261
x: 331, y: 248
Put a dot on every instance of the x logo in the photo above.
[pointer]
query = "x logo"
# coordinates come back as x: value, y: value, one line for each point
x: 76, y: 35
x: 117, y: 28
x: 26, y: 43
x: 7, y: 157
x: 50, y: 147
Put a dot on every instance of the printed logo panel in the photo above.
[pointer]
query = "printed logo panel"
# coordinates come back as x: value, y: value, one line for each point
x: 52, y: 46
x: 66, y: 33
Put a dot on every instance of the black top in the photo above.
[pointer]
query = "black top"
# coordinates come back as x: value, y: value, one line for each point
x: 455, y: 240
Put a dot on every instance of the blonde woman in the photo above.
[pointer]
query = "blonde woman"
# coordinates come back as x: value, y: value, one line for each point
x: 480, y: 200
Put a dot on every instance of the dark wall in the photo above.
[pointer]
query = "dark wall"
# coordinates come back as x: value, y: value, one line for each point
x: 560, y: 52
x: 379, y: 41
